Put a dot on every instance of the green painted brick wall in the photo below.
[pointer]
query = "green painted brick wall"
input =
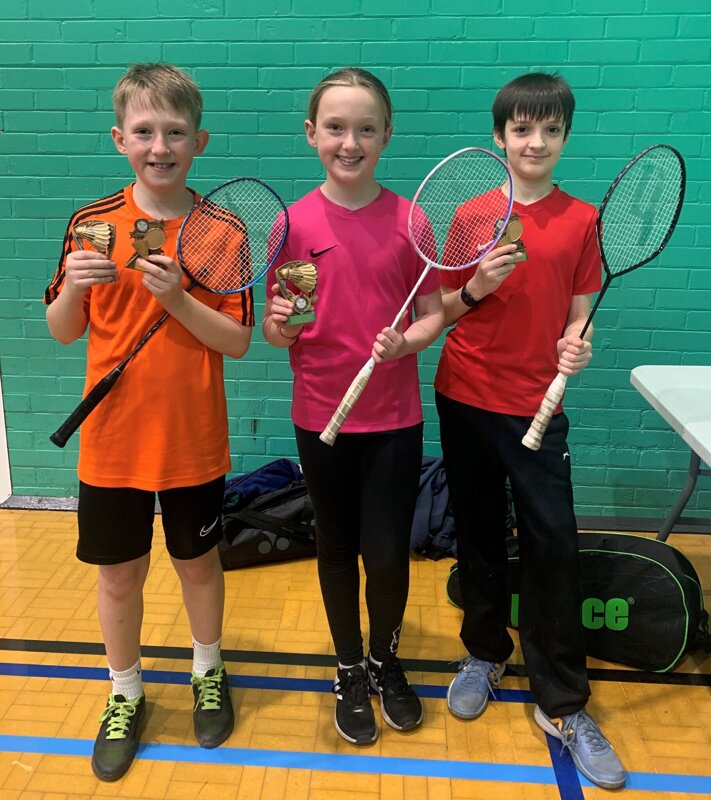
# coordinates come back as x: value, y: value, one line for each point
x: 640, y: 72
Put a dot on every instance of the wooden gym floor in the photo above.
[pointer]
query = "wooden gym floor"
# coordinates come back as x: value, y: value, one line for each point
x: 53, y: 686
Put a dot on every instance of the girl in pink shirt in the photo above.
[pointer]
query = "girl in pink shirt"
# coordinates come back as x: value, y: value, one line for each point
x: 363, y: 488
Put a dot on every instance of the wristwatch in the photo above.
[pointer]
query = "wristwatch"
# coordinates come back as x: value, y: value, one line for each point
x: 467, y: 298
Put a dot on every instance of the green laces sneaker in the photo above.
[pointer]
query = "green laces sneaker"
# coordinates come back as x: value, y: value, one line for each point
x: 122, y: 723
x: 213, y: 717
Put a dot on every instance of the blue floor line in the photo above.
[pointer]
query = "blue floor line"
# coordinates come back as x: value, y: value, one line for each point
x: 236, y: 681
x: 566, y: 774
x: 320, y: 762
x: 562, y: 773
x: 376, y: 765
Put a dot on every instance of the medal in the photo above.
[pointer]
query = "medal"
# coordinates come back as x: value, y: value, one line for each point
x: 148, y: 238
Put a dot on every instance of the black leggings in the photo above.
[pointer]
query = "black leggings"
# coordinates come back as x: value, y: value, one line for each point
x: 363, y: 491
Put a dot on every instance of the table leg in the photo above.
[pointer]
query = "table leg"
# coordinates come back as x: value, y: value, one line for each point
x: 675, y: 513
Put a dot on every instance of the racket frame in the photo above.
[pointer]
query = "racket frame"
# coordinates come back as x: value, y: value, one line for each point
x: 203, y: 202
x: 554, y: 394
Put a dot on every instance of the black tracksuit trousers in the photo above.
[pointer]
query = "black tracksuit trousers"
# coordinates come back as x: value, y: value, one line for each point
x: 480, y: 449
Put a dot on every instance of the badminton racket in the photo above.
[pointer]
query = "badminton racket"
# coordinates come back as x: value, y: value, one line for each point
x: 457, y: 216
x: 634, y: 224
x: 225, y: 244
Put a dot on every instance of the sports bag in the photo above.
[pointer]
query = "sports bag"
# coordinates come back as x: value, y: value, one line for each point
x: 642, y: 600
x: 267, y: 517
x: 242, y: 489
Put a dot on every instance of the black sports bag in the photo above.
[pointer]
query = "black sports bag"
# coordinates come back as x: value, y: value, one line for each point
x: 642, y: 600
x: 276, y: 526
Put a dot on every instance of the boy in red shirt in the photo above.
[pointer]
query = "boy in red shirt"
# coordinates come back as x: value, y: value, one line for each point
x: 516, y: 324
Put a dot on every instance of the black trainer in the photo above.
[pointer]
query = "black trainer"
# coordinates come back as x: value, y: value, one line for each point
x: 400, y: 706
x: 354, y: 716
x: 122, y: 723
x: 213, y: 716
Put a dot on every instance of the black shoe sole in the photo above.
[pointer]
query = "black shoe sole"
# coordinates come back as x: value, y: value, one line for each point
x: 110, y: 777
x: 211, y: 744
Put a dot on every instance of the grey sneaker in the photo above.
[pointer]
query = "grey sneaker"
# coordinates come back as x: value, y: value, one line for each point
x: 591, y: 752
x: 468, y: 693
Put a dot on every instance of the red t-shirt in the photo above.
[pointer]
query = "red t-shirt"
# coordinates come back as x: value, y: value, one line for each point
x: 164, y: 424
x: 502, y: 355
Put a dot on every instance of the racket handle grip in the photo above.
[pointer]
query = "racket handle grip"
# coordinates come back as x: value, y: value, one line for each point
x: 64, y: 432
x: 340, y: 415
x: 539, y: 425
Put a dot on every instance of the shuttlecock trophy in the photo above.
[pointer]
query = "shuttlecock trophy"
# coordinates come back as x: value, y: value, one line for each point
x: 99, y: 234
x: 297, y: 282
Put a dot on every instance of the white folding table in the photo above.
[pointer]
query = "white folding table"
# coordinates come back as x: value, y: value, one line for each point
x: 682, y: 396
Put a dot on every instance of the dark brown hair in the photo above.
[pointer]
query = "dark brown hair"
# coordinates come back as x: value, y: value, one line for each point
x: 535, y: 96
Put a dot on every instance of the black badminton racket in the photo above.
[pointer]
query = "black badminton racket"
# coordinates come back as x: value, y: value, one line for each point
x: 634, y: 224
x: 457, y: 216
x: 225, y: 244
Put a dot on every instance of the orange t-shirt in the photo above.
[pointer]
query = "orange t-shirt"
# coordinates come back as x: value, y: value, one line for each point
x: 164, y: 424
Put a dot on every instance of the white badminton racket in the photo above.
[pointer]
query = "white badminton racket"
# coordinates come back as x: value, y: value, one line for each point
x: 457, y: 216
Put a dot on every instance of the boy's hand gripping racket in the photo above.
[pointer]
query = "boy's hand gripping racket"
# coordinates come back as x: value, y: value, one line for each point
x: 225, y: 244
x: 452, y: 225
x: 636, y: 219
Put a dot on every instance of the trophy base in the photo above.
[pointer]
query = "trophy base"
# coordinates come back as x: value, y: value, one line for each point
x: 301, y: 319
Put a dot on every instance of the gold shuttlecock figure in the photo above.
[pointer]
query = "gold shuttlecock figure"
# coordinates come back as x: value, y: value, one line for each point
x: 303, y: 275
x: 100, y: 235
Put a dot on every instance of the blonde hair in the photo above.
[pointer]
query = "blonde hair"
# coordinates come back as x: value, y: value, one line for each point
x: 352, y: 76
x: 161, y: 85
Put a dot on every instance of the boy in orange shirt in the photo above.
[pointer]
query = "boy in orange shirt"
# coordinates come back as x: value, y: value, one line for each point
x: 163, y: 427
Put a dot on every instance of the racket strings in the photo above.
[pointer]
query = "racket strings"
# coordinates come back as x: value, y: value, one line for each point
x: 641, y: 210
x: 229, y: 239
x: 461, y: 208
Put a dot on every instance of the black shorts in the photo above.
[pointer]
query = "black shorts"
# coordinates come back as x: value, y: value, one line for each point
x: 116, y: 525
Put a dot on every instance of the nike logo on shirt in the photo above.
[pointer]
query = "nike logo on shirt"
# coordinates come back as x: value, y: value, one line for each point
x: 314, y: 254
x: 204, y: 531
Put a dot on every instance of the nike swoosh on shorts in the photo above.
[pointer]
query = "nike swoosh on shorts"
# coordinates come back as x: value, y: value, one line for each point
x: 204, y: 531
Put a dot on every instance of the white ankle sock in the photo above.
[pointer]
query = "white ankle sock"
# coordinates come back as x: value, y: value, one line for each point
x: 205, y: 657
x: 128, y: 682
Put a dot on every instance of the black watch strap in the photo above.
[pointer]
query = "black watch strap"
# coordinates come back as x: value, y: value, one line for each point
x: 467, y: 298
